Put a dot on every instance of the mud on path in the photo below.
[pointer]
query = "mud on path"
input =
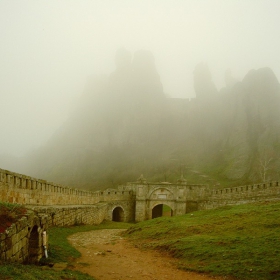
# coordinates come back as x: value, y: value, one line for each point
x: 107, y: 256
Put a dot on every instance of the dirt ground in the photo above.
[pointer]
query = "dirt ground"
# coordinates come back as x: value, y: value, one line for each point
x: 107, y: 256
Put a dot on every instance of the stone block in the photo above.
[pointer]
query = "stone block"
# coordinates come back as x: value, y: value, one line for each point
x: 19, y: 225
x: 16, y: 248
x: 23, y: 233
x: 9, y: 254
x: 15, y: 238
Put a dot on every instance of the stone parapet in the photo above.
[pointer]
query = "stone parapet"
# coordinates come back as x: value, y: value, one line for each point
x: 264, y: 190
x: 72, y: 215
x: 22, y: 189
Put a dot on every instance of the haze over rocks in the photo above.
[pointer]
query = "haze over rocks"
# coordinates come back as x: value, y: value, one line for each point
x: 124, y: 126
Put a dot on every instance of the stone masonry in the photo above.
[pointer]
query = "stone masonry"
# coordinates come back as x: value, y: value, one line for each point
x: 22, y: 241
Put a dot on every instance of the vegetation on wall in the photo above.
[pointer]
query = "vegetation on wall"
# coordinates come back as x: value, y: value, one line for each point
x: 9, y: 214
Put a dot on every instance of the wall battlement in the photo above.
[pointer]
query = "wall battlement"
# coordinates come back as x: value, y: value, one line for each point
x: 263, y: 189
x: 22, y: 189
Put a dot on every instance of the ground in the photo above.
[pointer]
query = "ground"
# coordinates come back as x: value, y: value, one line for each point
x: 108, y: 256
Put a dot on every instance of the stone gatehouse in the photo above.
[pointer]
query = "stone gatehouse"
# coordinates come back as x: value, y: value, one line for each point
x: 150, y: 198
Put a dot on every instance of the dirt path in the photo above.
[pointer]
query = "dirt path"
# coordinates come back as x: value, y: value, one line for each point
x: 107, y: 256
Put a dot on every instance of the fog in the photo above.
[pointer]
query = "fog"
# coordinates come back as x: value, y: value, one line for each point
x: 50, y: 49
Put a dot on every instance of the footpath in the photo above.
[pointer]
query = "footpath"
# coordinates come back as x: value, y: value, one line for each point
x: 108, y: 256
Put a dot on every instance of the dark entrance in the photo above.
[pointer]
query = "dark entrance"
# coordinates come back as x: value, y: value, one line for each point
x: 161, y: 210
x: 118, y: 215
x: 34, y: 248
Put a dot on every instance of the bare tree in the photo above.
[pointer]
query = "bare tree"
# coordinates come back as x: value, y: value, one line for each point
x: 264, y: 165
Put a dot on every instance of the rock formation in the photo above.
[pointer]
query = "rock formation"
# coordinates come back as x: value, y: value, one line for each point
x: 124, y: 126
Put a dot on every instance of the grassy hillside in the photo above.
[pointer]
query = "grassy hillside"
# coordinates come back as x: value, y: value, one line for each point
x: 240, y: 241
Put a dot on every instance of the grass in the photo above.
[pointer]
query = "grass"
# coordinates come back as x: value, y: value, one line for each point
x: 32, y: 272
x: 59, y: 251
x: 240, y: 241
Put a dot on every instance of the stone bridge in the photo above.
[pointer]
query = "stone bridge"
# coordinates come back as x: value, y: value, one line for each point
x: 56, y: 205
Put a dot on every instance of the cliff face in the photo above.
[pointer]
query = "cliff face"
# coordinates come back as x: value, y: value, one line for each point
x: 253, y: 143
x: 114, y: 130
x: 125, y: 126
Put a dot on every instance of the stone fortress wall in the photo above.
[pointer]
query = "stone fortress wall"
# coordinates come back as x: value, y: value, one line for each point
x: 241, y: 195
x: 53, y: 205
x: 56, y: 205
x: 21, y: 189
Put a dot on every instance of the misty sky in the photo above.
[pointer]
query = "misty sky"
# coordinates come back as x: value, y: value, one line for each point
x: 50, y: 48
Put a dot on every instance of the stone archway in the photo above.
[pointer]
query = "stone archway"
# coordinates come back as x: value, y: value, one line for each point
x: 118, y: 214
x: 160, y: 210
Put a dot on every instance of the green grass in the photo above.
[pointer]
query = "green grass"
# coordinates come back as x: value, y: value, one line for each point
x: 32, y: 272
x: 240, y: 241
x: 166, y: 210
x: 59, y: 251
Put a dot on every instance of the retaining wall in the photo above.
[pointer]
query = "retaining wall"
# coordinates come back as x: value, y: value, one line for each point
x: 22, y: 241
x: 72, y: 215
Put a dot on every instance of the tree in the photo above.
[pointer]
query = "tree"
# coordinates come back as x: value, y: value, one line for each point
x: 265, y: 164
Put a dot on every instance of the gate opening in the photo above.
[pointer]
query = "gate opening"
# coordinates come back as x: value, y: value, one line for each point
x: 162, y: 210
x: 118, y: 215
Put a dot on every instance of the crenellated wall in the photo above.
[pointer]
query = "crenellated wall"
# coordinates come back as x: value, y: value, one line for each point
x: 21, y: 189
x: 241, y: 195
x: 255, y: 190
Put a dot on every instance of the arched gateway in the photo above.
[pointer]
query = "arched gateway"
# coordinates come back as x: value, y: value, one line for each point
x: 118, y: 214
x: 161, y: 210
